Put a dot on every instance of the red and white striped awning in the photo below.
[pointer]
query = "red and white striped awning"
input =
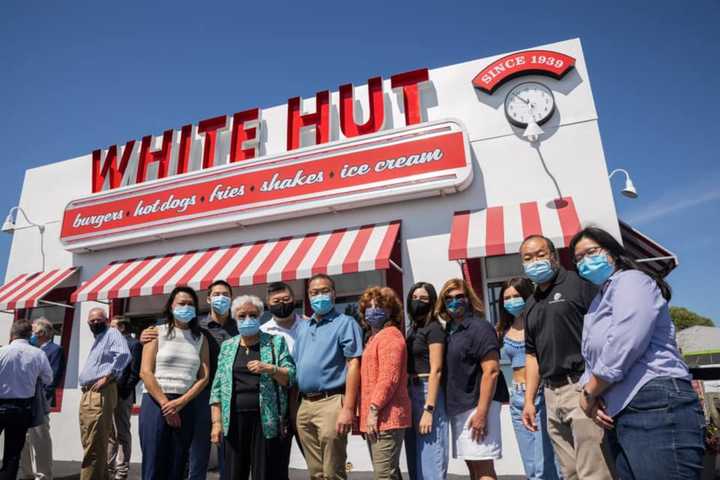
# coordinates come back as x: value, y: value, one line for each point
x: 500, y: 230
x: 646, y: 251
x: 345, y: 250
x: 26, y: 290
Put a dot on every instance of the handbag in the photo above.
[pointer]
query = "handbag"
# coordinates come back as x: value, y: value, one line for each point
x: 284, y: 427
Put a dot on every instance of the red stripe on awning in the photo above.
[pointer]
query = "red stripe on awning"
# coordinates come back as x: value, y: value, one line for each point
x: 245, y: 265
x: 26, y: 290
x: 499, y: 230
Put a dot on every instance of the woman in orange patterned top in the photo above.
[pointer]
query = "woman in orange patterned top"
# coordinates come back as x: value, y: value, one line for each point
x: 384, y: 400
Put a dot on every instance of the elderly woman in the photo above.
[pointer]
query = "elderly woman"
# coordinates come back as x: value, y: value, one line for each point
x: 385, y: 410
x: 636, y: 383
x: 249, y: 397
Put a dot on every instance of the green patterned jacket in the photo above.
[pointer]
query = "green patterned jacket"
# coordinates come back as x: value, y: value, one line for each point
x: 270, y: 391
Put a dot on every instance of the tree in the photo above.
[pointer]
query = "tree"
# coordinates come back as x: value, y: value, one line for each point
x: 684, y: 318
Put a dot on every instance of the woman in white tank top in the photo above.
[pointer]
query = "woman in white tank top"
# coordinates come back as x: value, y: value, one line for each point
x: 175, y: 369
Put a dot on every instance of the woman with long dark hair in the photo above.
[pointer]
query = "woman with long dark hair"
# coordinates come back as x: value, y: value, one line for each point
x: 535, y: 447
x: 175, y: 369
x: 636, y: 384
x: 472, y: 368
x: 426, y: 441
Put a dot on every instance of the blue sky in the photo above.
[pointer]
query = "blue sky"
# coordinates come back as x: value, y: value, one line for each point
x: 75, y: 76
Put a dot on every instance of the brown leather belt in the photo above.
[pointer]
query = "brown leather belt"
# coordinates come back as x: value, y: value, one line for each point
x: 314, y: 396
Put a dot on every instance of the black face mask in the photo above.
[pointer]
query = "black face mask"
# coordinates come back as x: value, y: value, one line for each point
x: 418, y: 309
x: 98, y: 328
x: 282, y: 310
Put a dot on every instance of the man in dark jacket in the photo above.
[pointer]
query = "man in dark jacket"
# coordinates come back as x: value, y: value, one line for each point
x: 120, y: 439
x: 38, y: 444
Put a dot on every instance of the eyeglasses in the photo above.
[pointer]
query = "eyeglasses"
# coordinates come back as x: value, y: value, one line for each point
x: 459, y: 296
x: 588, y: 251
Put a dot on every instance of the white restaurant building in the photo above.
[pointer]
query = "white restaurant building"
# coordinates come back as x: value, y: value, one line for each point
x: 423, y: 176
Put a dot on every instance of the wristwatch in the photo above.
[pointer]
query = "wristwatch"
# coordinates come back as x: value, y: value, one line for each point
x: 429, y: 408
x: 588, y: 396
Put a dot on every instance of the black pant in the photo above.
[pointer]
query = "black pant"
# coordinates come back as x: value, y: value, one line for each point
x: 165, y: 449
x: 15, y: 417
x: 248, y: 452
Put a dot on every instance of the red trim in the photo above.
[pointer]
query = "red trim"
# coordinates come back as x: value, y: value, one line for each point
x: 159, y: 286
x: 219, y: 265
x: 321, y: 264
x: 387, y: 249
x: 352, y: 259
x: 530, y: 217
x: 569, y: 221
x: 459, y: 234
x: 124, y: 280
x: 290, y: 271
x: 521, y: 63
x: 202, y: 261
x: 495, y: 232
x: 234, y: 277
x: 260, y: 275
x: 135, y: 290
x: 393, y: 277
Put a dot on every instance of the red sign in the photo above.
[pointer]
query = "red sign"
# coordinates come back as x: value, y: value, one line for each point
x: 430, y: 158
x: 539, y: 62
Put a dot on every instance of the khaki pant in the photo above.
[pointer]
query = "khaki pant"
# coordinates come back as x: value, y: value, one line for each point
x: 385, y: 454
x: 38, y: 444
x: 119, y: 447
x: 96, y: 416
x: 325, y: 450
x: 579, y: 443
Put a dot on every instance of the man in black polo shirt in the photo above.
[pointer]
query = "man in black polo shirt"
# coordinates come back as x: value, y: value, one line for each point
x: 553, y: 333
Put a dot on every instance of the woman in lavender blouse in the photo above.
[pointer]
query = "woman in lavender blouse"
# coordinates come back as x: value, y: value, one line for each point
x: 636, y: 384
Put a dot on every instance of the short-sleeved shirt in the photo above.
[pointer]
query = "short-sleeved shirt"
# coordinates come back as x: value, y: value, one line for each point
x: 468, y: 344
x: 216, y: 334
x: 418, y: 346
x: 554, y: 324
x: 322, y: 348
x: 289, y: 334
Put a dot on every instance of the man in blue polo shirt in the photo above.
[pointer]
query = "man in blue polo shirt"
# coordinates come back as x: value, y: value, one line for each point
x: 327, y: 355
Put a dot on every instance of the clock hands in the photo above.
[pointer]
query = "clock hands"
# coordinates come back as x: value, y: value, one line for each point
x: 527, y: 102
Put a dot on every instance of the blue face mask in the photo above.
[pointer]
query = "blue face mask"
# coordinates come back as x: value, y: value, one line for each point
x: 595, y: 268
x: 540, y: 271
x: 376, y: 317
x: 248, y: 326
x: 322, y: 304
x: 456, y: 307
x: 514, y: 305
x: 220, y: 304
x: 33, y: 339
x: 184, y: 313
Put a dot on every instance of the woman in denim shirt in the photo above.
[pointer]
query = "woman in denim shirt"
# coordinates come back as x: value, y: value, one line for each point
x: 536, y: 449
x: 636, y: 384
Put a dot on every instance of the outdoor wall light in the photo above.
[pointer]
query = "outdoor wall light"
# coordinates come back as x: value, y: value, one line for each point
x: 9, y: 226
x: 629, y: 189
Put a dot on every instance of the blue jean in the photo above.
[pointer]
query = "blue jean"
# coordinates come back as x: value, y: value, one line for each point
x: 427, y: 455
x: 536, y: 449
x: 164, y: 449
x: 660, y: 433
x: 200, y: 448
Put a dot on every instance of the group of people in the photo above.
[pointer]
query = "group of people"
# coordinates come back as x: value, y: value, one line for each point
x: 599, y: 389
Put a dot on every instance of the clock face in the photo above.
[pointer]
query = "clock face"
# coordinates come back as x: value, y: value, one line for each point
x: 529, y: 100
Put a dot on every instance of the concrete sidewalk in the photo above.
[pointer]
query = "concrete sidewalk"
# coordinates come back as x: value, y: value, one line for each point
x: 70, y: 471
